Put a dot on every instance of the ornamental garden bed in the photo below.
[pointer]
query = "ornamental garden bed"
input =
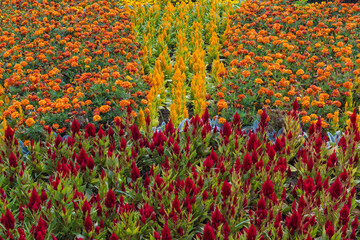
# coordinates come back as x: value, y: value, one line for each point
x: 199, y: 120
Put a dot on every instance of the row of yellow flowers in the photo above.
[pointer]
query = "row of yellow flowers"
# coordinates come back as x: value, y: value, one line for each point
x: 182, y: 40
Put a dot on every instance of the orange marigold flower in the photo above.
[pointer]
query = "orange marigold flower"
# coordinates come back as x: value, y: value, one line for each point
x: 29, y: 122
x: 278, y: 103
x: 305, y: 119
x: 286, y: 99
x: 220, y: 94
x: 278, y: 95
x: 133, y: 114
x: 329, y: 116
x: 270, y: 93
x: 303, y: 113
x: 104, y: 108
x: 258, y: 81
x: 348, y: 85
x: 96, y: 118
x: 222, y: 104
x: 246, y: 73
x: 313, y: 116
x: 222, y: 120
x: 124, y: 103
x: 336, y: 103
x: 15, y: 115
x: 300, y: 72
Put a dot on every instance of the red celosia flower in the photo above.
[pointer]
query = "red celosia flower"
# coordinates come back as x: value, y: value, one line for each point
x: 135, y: 173
x: 226, y: 189
x: 90, y: 130
x: 309, y: 186
x: 344, y: 215
x: 90, y: 163
x: 86, y: 207
x: 22, y: 235
x: 335, y: 189
x: 43, y: 195
x: 278, y: 220
x: 216, y: 219
x: 169, y: 128
x: 208, y: 164
x: 263, y: 121
x: 247, y: 162
x: 39, y: 236
x: 208, y: 233
x: 148, y: 120
x: 176, y: 204
x: 236, y: 119
x: 40, y: 228
x: 318, y: 143
x: 176, y: 148
x: 110, y: 199
x: 160, y: 150
x: 293, y: 221
x: 268, y: 188
x: 83, y: 157
x: 295, y: 105
x: 8, y: 220
x: 75, y: 127
x: 344, y: 175
x: 102, y: 175
x: 225, y: 230
x: 146, y: 210
x: 111, y: 132
x: 58, y: 140
x: 113, y: 237
x: 252, y: 142
x: 355, y: 223
x: 329, y: 228
x: 226, y: 129
x: 157, y: 235
x: 101, y: 133
x: 251, y: 233
x: 332, y: 160
x: 88, y: 223
x: 205, y: 116
x: 34, y: 201
x: 280, y: 232
x: 13, y: 160
x: 123, y: 144
x: 9, y: 135
x: 271, y: 152
x: 165, y: 234
x: 135, y: 132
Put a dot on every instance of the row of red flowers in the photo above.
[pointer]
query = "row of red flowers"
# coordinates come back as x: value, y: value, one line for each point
x: 126, y: 183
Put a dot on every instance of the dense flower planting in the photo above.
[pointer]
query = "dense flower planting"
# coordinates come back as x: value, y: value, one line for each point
x: 253, y: 56
x: 63, y: 60
x: 193, y: 182
x: 260, y: 99
x: 278, y: 52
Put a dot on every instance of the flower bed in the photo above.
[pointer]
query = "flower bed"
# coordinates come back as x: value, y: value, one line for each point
x: 196, y: 183
x: 61, y: 61
x: 85, y: 86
